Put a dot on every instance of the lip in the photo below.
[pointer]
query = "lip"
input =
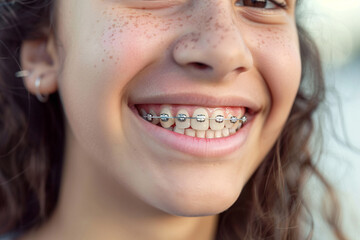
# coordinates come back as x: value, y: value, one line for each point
x: 199, y: 147
x: 199, y: 100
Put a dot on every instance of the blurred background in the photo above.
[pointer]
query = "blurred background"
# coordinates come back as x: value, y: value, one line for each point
x: 335, y: 25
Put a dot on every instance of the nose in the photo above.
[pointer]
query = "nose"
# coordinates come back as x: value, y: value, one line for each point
x: 214, y: 47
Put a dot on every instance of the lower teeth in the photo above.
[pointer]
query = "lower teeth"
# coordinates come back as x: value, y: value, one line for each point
x: 225, y: 132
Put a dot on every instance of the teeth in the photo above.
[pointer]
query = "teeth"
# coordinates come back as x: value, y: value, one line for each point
x: 233, y: 119
x: 201, y: 122
x: 244, y: 119
x: 179, y: 130
x: 154, y: 120
x: 200, y: 134
x: 225, y: 132
x: 199, y: 125
x: 190, y: 132
x: 236, y: 125
x: 182, y: 123
x: 218, y: 133
x: 218, y: 123
x: 230, y: 123
x: 165, y: 117
x: 143, y: 113
x: 149, y: 117
x: 210, y: 134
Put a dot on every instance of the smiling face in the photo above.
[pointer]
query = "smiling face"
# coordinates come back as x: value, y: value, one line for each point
x: 125, y: 58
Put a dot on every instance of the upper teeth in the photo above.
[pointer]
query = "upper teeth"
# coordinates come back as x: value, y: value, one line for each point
x: 164, y: 117
x: 219, y: 118
x: 200, y: 118
x: 182, y: 117
x: 206, y: 123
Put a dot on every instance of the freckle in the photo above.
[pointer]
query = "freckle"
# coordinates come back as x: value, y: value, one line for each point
x: 102, y: 60
x: 111, y: 57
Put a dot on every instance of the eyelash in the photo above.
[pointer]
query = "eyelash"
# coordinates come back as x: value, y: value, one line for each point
x: 278, y: 4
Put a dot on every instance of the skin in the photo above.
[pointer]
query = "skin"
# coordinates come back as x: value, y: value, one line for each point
x: 106, y: 54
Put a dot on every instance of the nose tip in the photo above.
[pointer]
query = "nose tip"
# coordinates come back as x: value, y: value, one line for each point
x: 214, y: 48
x: 213, y: 58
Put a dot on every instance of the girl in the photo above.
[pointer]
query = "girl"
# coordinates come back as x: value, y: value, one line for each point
x: 166, y: 119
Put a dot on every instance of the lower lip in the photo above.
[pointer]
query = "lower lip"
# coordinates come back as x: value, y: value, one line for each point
x: 200, y: 147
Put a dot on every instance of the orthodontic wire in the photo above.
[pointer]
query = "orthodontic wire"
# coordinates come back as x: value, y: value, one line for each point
x: 243, y: 119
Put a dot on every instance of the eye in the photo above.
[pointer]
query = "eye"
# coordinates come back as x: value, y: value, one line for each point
x: 266, y: 4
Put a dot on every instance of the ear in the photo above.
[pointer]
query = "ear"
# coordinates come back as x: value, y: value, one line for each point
x: 40, y: 58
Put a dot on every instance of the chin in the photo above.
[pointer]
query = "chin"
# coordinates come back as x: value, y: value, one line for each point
x: 200, y: 204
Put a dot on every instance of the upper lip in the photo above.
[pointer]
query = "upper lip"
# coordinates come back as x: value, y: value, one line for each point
x: 198, y: 99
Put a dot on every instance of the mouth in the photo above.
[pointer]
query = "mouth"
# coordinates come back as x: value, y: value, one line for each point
x: 195, y: 121
x: 195, y: 130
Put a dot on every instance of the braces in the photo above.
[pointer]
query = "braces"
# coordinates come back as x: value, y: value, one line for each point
x: 199, y: 118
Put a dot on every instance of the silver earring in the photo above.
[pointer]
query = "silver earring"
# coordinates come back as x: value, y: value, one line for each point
x: 23, y: 73
x: 41, y: 97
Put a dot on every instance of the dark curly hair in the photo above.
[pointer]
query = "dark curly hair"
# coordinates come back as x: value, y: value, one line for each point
x: 271, y: 205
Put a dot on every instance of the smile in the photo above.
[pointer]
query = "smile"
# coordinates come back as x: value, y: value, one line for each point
x: 195, y: 130
x: 195, y: 121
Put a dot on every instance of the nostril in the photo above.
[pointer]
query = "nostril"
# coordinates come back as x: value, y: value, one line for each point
x: 200, y: 66
x: 241, y: 69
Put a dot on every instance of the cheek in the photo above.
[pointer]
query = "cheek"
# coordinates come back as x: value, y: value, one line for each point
x: 101, y: 61
x: 277, y: 57
x: 282, y: 65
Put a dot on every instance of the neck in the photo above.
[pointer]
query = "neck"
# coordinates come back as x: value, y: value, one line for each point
x: 94, y: 206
